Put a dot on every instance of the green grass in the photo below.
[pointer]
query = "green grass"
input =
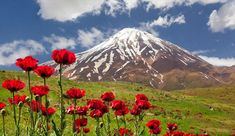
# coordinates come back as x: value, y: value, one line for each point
x: 194, y: 110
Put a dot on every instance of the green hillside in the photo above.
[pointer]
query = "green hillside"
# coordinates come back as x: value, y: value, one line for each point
x: 194, y: 110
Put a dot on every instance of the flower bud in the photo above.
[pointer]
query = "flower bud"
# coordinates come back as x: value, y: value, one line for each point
x: 27, y: 99
x: 101, y: 124
x: 20, y: 104
x: 3, y: 112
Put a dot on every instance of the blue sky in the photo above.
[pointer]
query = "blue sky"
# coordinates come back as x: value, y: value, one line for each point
x: 36, y: 27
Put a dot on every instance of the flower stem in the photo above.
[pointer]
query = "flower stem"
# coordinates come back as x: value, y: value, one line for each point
x: 105, y: 129
x: 97, y: 127
x: 31, y: 98
x: 109, y: 122
x: 3, y: 125
x: 14, y: 112
x: 124, y: 120
x: 62, y: 109
x: 47, y: 105
x: 118, y: 126
x: 136, y: 125
x: 74, y: 115
x: 19, y: 117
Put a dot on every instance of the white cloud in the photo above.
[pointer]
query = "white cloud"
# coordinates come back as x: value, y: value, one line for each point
x: 224, y: 18
x: 90, y: 38
x: 60, y: 42
x: 130, y: 4
x: 69, y: 10
x: 9, y: 52
x: 165, y: 21
x: 199, y: 52
x: 65, y: 10
x: 219, y: 61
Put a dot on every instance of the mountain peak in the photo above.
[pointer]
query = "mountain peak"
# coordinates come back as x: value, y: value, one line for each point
x: 136, y: 56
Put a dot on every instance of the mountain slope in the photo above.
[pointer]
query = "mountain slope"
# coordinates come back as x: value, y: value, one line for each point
x: 136, y: 56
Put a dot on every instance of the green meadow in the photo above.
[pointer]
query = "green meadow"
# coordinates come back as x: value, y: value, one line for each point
x: 194, y: 110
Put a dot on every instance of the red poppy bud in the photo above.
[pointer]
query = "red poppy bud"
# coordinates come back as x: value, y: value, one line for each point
x: 86, y: 130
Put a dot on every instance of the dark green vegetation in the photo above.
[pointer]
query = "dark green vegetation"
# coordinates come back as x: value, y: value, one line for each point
x: 194, y: 110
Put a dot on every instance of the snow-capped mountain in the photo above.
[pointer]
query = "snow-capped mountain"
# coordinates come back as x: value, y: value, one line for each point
x: 137, y: 56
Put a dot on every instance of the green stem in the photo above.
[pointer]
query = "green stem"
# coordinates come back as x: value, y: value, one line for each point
x: 19, y: 117
x: 105, y: 129
x: 97, y: 127
x: 74, y: 114
x: 14, y: 111
x: 108, y: 122
x: 31, y: 98
x: 81, y: 132
x: 3, y: 125
x: 136, y: 125
x: 124, y: 121
x: 118, y: 126
x: 47, y: 105
x: 62, y: 110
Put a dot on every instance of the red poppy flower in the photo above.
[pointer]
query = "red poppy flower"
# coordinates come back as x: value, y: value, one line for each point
x: 121, y: 112
x: 48, y: 111
x: 172, y: 126
x: 39, y: 90
x: 35, y: 106
x: 117, y: 104
x: 86, y: 130
x: 44, y: 71
x: 135, y: 110
x: 96, y: 114
x: 17, y: 99
x: 125, y: 132
x: 107, y: 96
x: 75, y: 93
x: 142, y: 104
x: 2, y: 105
x: 82, y: 110
x: 13, y: 85
x: 104, y: 108
x: 63, y: 56
x: 81, y: 122
x: 94, y: 104
x: 70, y: 109
x: 141, y: 97
x: 152, y: 124
x: 27, y: 64
x: 155, y: 131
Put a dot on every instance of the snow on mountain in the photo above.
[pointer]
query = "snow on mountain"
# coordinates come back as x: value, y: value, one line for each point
x: 134, y: 56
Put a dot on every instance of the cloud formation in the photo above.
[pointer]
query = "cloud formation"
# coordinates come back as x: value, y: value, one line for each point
x: 73, y: 9
x: 68, y: 10
x: 11, y: 51
x: 60, y: 42
x: 165, y: 21
x: 91, y: 37
x: 219, y: 61
x: 224, y: 18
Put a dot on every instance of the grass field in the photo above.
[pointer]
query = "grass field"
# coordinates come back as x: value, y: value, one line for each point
x: 194, y: 110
